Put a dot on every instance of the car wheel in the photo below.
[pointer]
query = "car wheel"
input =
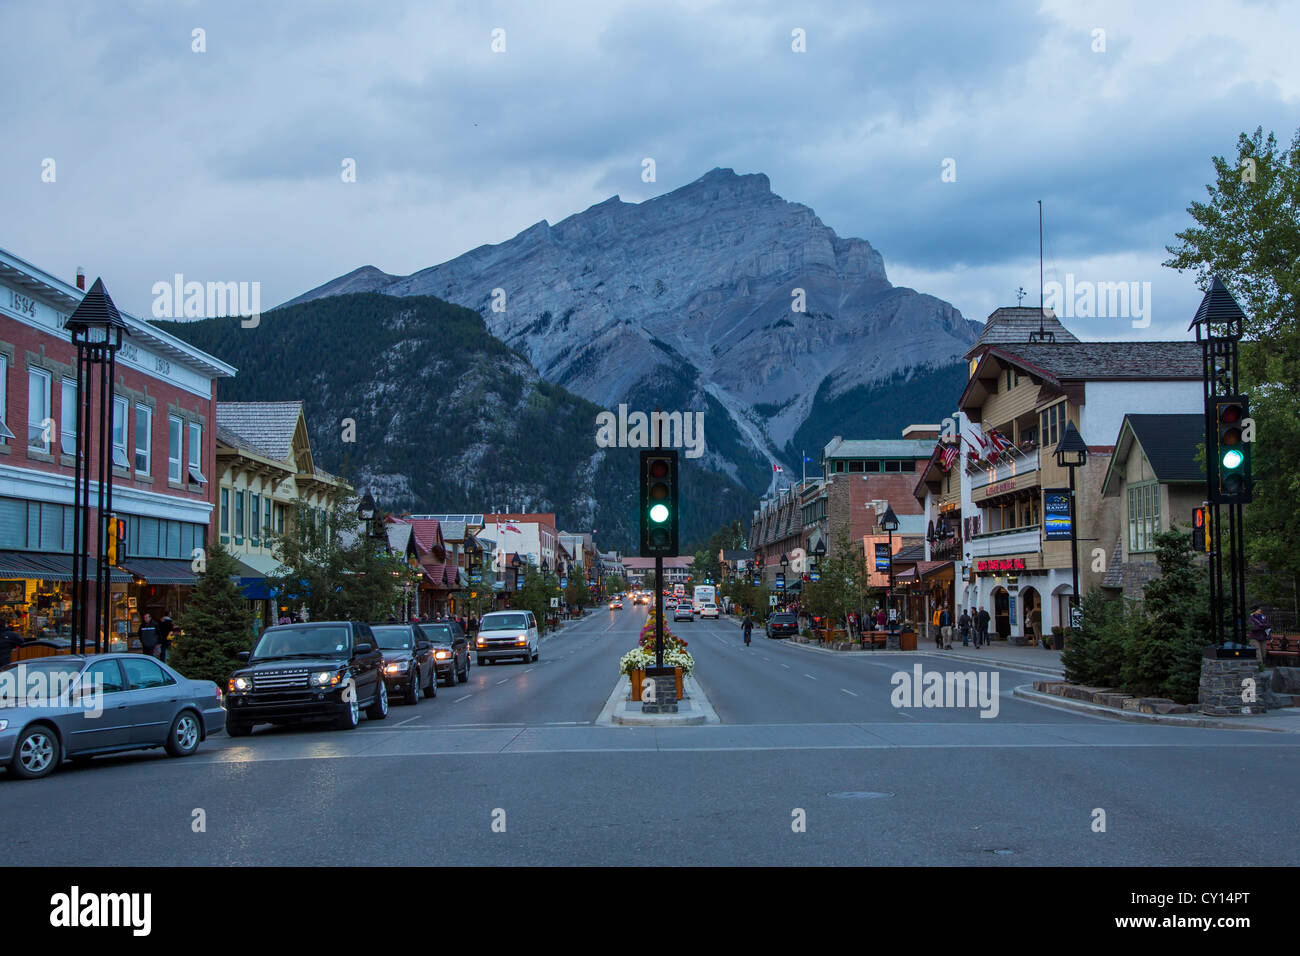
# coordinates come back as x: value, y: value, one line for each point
x: 537, y: 652
x: 464, y: 675
x: 413, y: 689
x: 379, y: 709
x: 183, y: 737
x: 236, y: 729
x: 351, y: 715
x: 482, y: 662
x: 36, y: 753
x: 431, y: 690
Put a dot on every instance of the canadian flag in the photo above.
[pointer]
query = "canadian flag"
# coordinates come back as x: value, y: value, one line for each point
x: 777, y: 468
x: 510, y: 527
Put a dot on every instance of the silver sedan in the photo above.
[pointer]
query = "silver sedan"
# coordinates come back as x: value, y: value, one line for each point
x: 78, y: 706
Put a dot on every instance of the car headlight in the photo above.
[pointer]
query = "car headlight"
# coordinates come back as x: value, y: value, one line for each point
x: 521, y: 639
x: 397, y: 667
x: 481, y: 642
x: 441, y: 655
x: 324, y: 679
x: 4, y: 725
x: 240, y: 685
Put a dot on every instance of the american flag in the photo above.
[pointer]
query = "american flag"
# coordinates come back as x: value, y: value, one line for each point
x: 948, y: 456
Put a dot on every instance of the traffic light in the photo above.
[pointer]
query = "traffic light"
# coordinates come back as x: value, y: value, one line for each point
x: 658, y: 500
x: 1233, y: 450
x: 1201, y: 530
x: 116, y: 540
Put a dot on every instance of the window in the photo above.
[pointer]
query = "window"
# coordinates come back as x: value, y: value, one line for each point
x: 279, y: 519
x: 255, y: 511
x: 839, y: 466
x: 855, y: 466
x: 239, y: 516
x: 143, y: 429
x: 38, y: 410
x: 196, y: 454
x: 225, y: 511
x: 142, y: 674
x: 893, y: 466
x: 68, y: 416
x: 1143, y: 516
x: 175, y: 429
x: 1052, y: 424
x: 875, y: 466
x: 119, y: 433
x: 5, y: 434
x: 104, y: 676
x: 266, y: 515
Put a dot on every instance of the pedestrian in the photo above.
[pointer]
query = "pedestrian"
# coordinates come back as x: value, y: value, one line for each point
x: 747, y: 625
x: 148, y: 635
x: 982, y: 627
x: 934, y: 627
x: 963, y: 625
x: 164, y: 635
x: 881, y: 619
x: 10, y: 640
x: 1259, y: 631
x: 945, y: 627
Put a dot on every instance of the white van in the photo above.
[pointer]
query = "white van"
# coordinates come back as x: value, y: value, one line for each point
x: 507, y: 634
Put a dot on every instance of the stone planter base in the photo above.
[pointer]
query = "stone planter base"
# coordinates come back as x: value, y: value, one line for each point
x: 1231, y: 687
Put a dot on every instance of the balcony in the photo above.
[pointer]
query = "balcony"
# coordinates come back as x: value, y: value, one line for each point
x: 994, y: 543
x: 1011, y: 467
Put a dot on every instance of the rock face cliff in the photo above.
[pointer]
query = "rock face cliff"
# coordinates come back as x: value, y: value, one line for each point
x: 690, y: 301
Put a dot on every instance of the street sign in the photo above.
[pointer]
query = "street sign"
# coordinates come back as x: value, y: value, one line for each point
x: 1056, y: 514
x: 771, y: 600
x: 564, y: 582
x: 780, y: 580
x: 1076, y: 617
x: 555, y: 602
x: 814, y: 575
x: 882, y: 557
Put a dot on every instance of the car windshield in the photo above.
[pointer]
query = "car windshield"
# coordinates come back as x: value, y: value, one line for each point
x: 396, y: 637
x: 37, y: 678
x: 782, y: 618
x: 305, y: 641
x: 504, y: 622
x: 438, y: 633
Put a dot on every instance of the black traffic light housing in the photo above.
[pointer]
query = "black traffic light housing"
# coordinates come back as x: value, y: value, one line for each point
x: 1231, y: 460
x: 658, y: 503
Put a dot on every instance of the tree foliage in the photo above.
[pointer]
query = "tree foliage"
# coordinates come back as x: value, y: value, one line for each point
x: 217, y: 623
x: 844, y: 582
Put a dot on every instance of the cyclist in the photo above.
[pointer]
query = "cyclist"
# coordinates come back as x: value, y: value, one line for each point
x: 748, y: 625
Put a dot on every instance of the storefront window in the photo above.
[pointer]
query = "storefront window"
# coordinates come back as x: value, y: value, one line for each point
x: 174, y: 431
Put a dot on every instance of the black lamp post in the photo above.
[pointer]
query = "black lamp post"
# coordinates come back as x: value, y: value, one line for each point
x: 367, y: 511
x: 890, y: 523
x: 1071, y: 453
x: 785, y: 563
x: 516, y: 564
x: 96, y: 328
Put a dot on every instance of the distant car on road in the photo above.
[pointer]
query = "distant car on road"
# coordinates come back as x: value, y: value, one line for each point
x: 450, y: 650
x: 616, y: 605
x: 99, y: 704
x: 409, y: 667
x: 709, y: 610
x: 683, y: 612
x: 314, y: 671
x: 782, y: 625
x: 507, y: 634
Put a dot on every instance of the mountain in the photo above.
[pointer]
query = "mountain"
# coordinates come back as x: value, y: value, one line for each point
x: 448, y: 419
x: 685, y: 302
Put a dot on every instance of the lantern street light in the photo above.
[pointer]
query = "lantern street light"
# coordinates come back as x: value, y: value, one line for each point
x: 785, y: 563
x: 1071, y: 452
x: 890, y: 523
x: 96, y: 328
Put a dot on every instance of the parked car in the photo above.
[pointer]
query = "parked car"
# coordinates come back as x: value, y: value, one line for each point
x: 409, y: 667
x: 75, y: 707
x: 323, y: 670
x: 782, y: 625
x: 683, y: 612
x: 507, y: 634
x: 450, y: 650
x: 709, y: 610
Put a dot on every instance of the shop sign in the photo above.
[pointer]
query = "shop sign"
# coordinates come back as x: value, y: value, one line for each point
x: 1000, y: 487
x: 1011, y: 609
x: 883, y: 557
x: 1002, y: 564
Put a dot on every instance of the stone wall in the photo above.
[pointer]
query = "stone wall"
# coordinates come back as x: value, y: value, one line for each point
x: 1224, y: 684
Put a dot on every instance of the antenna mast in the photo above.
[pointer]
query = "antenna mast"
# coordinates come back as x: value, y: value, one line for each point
x: 1042, y: 335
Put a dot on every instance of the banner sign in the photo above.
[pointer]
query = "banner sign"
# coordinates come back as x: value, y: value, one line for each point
x: 1056, y: 514
x: 882, y: 557
x: 1002, y: 564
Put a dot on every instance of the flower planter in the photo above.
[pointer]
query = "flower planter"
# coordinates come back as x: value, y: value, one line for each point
x: 638, y: 682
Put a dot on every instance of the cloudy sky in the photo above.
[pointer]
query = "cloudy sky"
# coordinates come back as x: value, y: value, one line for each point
x: 225, y: 164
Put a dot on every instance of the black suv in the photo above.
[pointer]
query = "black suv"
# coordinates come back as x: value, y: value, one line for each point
x: 450, y: 650
x: 782, y: 625
x: 320, y: 670
x: 409, y: 669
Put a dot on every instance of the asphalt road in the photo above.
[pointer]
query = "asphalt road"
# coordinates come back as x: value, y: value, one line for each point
x: 803, y: 733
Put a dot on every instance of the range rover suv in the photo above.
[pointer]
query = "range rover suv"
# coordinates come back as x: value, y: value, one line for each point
x: 316, y: 671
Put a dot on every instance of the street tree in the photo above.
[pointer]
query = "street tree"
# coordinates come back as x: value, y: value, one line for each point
x: 217, y: 623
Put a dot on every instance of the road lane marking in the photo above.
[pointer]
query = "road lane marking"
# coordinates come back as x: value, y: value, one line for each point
x: 903, y: 713
x: 529, y: 671
x: 849, y: 692
x: 809, y: 676
x: 459, y: 699
x: 408, y: 720
x: 503, y: 680
x: 786, y: 666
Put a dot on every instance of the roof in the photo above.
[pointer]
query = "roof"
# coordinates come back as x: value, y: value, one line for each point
x: 878, y: 448
x: 1114, y: 577
x: 1132, y: 359
x: 453, y: 530
x: 1169, y: 442
x: 912, y: 553
x: 1014, y: 324
x: 428, y: 535
x: 267, y: 427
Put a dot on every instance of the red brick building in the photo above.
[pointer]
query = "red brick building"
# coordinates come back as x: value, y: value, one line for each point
x: 163, y: 447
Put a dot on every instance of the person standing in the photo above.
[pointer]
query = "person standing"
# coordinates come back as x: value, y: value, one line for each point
x: 148, y: 635
x: 945, y: 626
x: 963, y: 625
x: 936, y: 629
x: 982, y: 627
x: 881, y: 618
x: 164, y: 636
x: 1259, y: 631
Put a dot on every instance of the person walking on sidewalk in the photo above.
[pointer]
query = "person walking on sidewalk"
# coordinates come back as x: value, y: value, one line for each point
x: 945, y: 627
x: 982, y: 628
x: 748, y: 626
x: 934, y: 626
x: 963, y: 625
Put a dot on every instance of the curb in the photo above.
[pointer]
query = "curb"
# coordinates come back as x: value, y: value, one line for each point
x: 610, y: 716
x: 1025, y: 692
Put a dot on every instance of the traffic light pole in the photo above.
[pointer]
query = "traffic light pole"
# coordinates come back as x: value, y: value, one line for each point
x: 659, y: 610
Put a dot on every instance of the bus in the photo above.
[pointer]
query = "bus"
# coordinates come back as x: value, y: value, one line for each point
x: 705, y: 594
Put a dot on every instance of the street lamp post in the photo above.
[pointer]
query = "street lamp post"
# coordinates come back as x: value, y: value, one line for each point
x: 1071, y: 452
x: 785, y: 563
x: 96, y: 328
x: 890, y: 523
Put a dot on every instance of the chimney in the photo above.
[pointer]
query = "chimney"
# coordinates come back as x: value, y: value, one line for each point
x: 81, y: 278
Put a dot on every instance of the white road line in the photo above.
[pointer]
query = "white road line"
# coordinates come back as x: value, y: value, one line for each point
x: 809, y: 676
x: 786, y: 666
x: 849, y: 692
x: 768, y: 659
x: 407, y: 721
x: 459, y: 699
x: 903, y: 713
x: 503, y: 680
x: 529, y: 671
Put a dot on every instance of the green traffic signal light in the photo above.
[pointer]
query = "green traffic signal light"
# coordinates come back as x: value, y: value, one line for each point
x: 1233, y: 458
x: 659, y: 514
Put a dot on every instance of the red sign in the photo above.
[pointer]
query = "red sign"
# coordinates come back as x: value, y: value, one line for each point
x: 1003, y: 564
